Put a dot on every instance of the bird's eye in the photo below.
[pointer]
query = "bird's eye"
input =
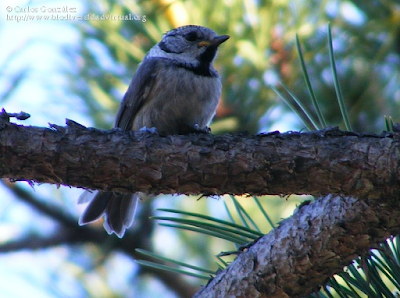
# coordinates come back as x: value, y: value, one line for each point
x: 191, y: 36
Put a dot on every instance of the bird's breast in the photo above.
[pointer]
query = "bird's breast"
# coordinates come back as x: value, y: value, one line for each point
x: 179, y: 99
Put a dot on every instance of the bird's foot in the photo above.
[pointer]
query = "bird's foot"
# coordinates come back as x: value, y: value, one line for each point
x: 205, y: 129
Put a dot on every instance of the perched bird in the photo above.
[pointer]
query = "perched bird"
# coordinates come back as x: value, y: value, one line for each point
x: 176, y: 91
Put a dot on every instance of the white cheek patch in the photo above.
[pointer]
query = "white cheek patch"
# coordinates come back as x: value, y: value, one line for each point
x: 188, y: 58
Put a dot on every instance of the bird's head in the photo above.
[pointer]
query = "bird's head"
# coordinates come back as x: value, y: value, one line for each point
x: 190, y: 45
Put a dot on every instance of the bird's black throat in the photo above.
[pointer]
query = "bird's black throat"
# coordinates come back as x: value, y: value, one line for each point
x: 204, y: 68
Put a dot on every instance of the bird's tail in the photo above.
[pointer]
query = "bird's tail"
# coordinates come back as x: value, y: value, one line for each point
x: 118, y: 210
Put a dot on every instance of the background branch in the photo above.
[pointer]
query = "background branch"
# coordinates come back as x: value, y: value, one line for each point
x: 70, y: 233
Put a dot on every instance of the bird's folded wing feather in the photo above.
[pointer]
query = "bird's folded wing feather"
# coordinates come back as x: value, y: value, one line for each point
x: 137, y: 95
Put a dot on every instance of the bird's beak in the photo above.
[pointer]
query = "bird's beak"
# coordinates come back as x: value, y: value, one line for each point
x: 214, y: 42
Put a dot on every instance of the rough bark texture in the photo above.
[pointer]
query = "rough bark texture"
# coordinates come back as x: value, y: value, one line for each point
x: 318, y: 163
x: 306, y: 249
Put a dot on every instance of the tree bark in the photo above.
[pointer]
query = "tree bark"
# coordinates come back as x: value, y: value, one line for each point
x: 317, y: 163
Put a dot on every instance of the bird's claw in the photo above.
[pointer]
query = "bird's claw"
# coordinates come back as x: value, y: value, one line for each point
x: 151, y: 130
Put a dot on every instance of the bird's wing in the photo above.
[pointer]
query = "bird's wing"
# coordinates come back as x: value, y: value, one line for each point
x: 134, y: 99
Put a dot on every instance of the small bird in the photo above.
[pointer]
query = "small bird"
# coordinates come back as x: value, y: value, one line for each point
x: 176, y: 91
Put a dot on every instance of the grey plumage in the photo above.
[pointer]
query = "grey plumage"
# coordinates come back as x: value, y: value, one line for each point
x: 176, y: 90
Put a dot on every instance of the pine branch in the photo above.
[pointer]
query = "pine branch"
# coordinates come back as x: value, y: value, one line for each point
x: 317, y: 163
x: 306, y: 249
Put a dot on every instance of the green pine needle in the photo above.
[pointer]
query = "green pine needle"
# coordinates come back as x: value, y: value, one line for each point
x: 263, y: 212
x: 388, y: 123
x: 168, y: 260
x: 229, y: 213
x: 239, y: 211
x: 171, y: 269
x: 339, y: 94
x: 244, y: 216
x: 226, y: 236
x: 241, y: 230
x: 302, y: 108
x: 206, y: 225
x: 310, y: 89
x: 224, y: 264
x: 303, y: 115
